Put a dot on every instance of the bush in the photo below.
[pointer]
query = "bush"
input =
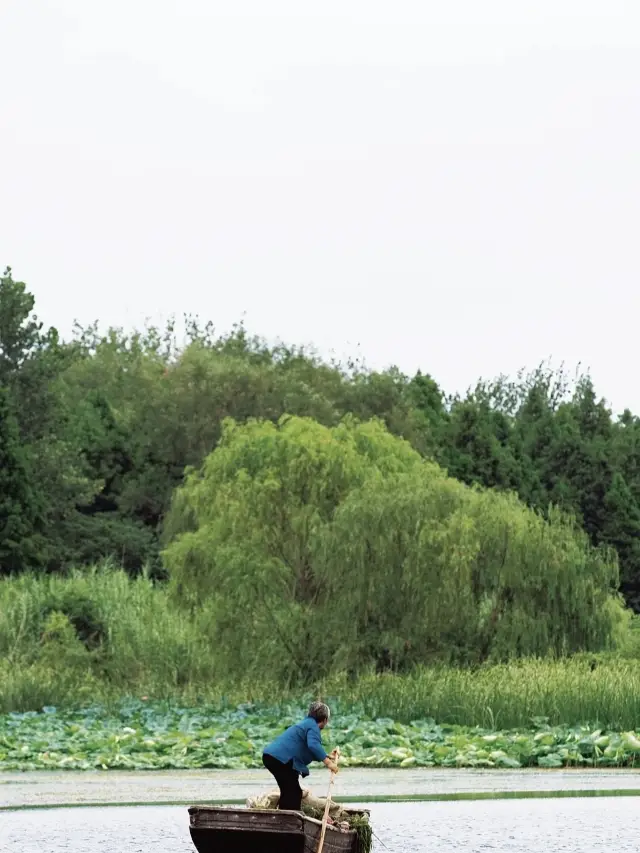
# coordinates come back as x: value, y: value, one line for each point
x: 99, y: 625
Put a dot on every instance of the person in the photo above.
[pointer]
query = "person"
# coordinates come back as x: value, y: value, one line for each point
x: 289, y: 755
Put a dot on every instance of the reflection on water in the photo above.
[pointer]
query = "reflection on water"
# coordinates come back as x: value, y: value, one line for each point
x: 495, y: 826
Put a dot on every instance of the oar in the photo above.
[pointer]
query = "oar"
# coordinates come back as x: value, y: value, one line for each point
x: 327, y: 807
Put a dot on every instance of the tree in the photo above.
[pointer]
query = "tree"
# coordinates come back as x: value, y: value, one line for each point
x: 18, y: 503
x: 341, y: 542
x: 621, y: 531
x: 439, y: 571
x: 428, y: 416
x: 19, y: 328
x: 108, y: 422
x: 477, y: 448
x: 242, y: 531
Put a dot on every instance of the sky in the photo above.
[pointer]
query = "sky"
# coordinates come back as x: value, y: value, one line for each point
x: 452, y: 187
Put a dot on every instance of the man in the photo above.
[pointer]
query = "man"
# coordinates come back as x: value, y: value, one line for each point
x: 288, y: 756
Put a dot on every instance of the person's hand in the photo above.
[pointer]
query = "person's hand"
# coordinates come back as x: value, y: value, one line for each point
x: 333, y: 767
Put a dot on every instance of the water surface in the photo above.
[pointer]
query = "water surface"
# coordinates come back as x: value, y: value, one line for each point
x: 497, y: 826
x: 61, y: 788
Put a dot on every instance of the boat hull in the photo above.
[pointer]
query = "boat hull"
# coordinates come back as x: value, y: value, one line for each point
x: 237, y: 830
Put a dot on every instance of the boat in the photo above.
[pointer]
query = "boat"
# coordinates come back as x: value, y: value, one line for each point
x: 224, y: 829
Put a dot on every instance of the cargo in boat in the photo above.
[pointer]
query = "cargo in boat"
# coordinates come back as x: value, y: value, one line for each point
x: 220, y: 829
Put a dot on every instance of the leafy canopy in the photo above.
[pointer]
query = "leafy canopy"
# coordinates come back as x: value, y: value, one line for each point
x: 320, y: 546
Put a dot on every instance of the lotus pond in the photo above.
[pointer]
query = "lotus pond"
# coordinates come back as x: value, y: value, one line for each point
x: 158, y: 736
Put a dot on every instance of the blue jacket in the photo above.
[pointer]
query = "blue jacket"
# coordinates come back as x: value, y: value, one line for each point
x: 301, y: 743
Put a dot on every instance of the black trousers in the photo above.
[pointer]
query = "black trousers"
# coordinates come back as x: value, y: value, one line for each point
x: 287, y: 779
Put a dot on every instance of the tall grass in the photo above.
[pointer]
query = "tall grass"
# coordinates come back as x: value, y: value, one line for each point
x: 122, y: 637
x: 506, y: 695
x: 98, y: 636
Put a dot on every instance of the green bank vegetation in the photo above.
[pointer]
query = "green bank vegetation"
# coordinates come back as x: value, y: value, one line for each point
x: 341, y: 542
x: 300, y: 553
x: 156, y: 736
x: 96, y: 431
x: 263, y: 523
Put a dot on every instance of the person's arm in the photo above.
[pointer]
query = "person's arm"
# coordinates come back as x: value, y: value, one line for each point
x: 314, y: 742
x: 332, y: 761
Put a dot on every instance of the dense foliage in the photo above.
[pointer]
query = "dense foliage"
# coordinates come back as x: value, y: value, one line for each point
x: 343, y: 542
x: 149, y: 736
x: 96, y: 434
x: 100, y: 635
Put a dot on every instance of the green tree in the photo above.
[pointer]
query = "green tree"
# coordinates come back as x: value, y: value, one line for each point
x: 428, y: 416
x: 242, y: 532
x: 477, y: 444
x: 108, y: 422
x: 342, y: 541
x: 439, y: 571
x: 621, y: 530
x: 18, y: 503
x: 19, y: 328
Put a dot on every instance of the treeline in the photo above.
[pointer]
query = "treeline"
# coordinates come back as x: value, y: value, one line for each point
x: 96, y: 433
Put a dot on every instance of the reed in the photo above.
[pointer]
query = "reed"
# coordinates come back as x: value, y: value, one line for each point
x: 602, y: 690
x: 99, y: 635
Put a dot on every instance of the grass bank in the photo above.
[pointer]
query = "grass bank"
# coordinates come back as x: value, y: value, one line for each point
x: 496, y: 697
x: 99, y: 636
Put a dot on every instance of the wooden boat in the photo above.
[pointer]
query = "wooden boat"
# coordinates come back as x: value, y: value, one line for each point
x: 219, y: 829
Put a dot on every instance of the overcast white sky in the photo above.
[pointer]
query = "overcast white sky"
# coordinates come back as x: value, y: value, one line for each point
x: 454, y: 186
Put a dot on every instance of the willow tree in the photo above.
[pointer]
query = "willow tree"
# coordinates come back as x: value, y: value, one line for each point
x: 439, y: 571
x: 244, y: 532
x: 315, y: 548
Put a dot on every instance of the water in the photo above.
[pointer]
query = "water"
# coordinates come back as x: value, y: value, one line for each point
x: 45, y: 788
x: 498, y: 826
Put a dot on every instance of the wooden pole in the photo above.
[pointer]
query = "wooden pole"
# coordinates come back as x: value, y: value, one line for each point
x: 326, y: 808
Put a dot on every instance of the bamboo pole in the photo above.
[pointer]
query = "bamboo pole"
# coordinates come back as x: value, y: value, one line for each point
x: 327, y: 807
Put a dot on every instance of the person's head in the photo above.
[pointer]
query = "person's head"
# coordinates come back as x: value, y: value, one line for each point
x: 320, y: 713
